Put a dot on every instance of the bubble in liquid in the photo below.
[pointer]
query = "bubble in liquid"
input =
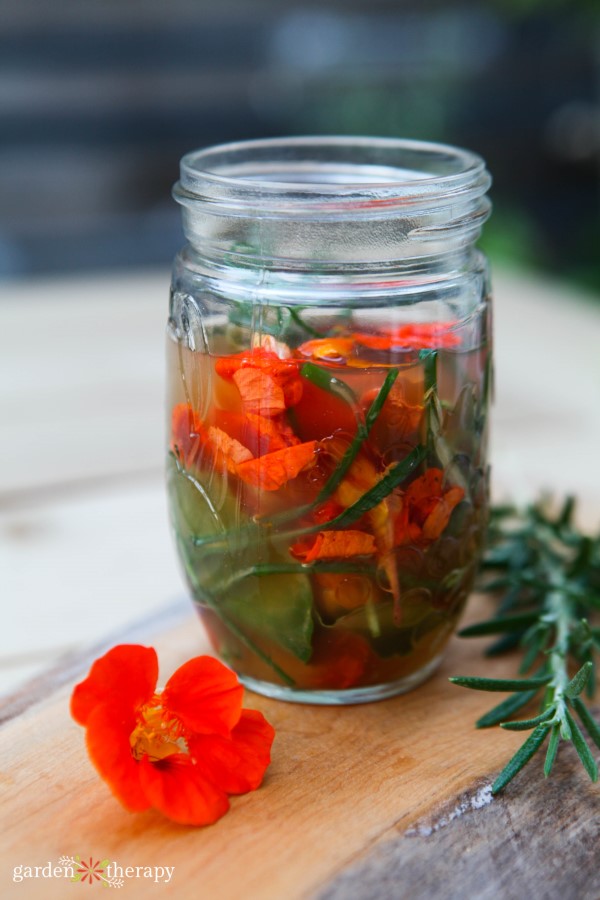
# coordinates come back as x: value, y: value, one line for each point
x: 415, y: 604
x: 356, y: 591
x: 396, y: 453
x: 442, y: 557
x: 410, y: 560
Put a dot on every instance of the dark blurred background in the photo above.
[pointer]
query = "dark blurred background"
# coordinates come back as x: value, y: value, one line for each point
x: 100, y: 98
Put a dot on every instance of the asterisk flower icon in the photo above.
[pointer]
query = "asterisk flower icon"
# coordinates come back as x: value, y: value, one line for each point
x: 92, y: 871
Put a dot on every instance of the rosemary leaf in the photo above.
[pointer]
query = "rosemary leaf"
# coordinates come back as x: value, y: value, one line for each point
x: 359, y: 438
x: 526, y: 724
x: 521, y: 757
x: 534, y: 641
x: 344, y: 567
x: 295, y: 315
x: 583, y: 556
x: 395, y: 476
x: 579, y: 681
x: 500, y: 684
x: 327, y: 382
x: 380, y: 399
x: 552, y: 749
x: 566, y: 513
x: 590, y: 725
x: 503, y: 644
x: 583, y: 751
x: 507, y: 708
x: 590, y: 689
x: 500, y: 625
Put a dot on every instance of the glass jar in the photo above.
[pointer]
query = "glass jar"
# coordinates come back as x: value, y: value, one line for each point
x: 329, y: 347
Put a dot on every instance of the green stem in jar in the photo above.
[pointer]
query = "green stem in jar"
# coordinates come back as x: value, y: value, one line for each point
x: 338, y: 568
x: 360, y: 437
x: 374, y: 496
x: 321, y: 378
x: 433, y: 412
x: 487, y: 387
x: 439, y: 452
x: 297, y: 318
x: 230, y: 624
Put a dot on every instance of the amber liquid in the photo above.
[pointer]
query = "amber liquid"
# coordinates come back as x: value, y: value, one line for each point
x: 335, y: 623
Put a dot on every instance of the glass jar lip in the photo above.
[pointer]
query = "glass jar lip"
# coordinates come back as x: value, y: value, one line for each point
x: 367, y: 172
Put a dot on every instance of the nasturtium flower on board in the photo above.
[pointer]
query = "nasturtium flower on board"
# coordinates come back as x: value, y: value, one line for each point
x: 181, y: 751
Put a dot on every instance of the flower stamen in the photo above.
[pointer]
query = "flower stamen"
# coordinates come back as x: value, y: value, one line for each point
x: 157, y: 734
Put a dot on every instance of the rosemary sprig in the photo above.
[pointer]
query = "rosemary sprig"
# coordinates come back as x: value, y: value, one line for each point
x: 362, y: 433
x: 550, y: 577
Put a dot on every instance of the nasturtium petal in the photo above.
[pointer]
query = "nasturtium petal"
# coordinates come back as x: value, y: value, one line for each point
x: 264, y: 435
x: 236, y: 764
x: 260, y: 392
x: 336, y: 545
x: 328, y: 350
x: 253, y: 737
x: 188, y: 434
x: 273, y: 470
x: 205, y: 695
x: 180, y: 791
x: 124, y: 677
x: 227, y: 449
x: 109, y: 748
x: 438, y: 518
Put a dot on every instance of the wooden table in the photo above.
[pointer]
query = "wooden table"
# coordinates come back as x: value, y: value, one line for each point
x: 389, y: 800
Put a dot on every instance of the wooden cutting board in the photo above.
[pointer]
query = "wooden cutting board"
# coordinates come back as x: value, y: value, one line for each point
x: 386, y: 800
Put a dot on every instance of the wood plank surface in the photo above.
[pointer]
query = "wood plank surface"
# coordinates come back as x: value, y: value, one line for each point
x: 342, y: 782
x: 534, y: 843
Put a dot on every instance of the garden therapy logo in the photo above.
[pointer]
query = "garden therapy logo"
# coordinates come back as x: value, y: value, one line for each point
x: 106, y: 873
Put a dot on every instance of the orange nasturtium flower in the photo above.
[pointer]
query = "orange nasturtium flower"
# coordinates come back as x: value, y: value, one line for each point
x: 182, y: 751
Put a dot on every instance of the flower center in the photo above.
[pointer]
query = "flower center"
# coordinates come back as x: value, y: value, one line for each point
x: 157, y: 733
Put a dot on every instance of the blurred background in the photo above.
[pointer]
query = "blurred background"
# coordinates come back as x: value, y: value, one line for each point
x: 100, y: 98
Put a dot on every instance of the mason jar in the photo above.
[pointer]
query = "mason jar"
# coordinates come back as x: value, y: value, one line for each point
x: 329, y: 360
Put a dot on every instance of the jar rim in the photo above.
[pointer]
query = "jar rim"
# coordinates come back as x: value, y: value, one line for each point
x: 333, y: 172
